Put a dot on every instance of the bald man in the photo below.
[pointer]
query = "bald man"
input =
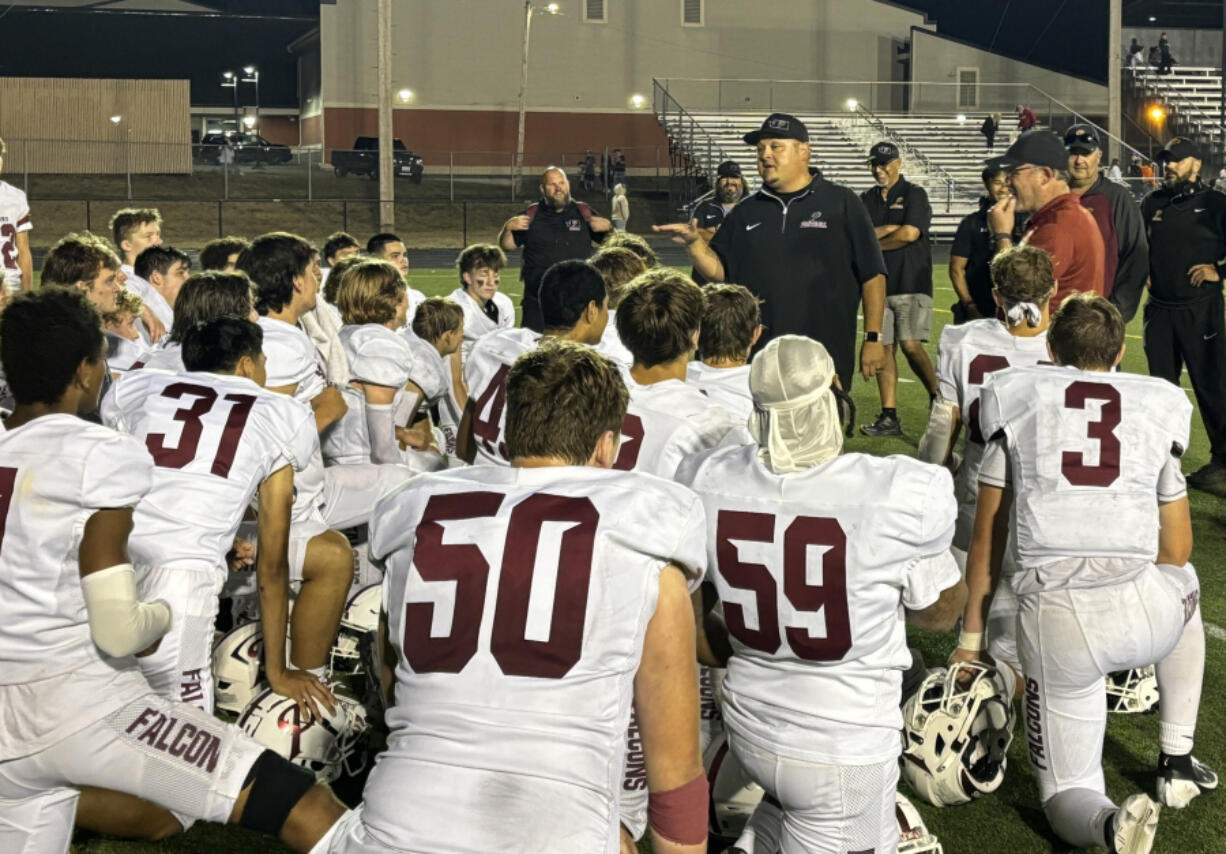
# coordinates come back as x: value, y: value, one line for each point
x: 555, y: 228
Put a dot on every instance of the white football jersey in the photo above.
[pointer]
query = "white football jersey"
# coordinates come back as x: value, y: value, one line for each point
x: 123, y: 355
x: 149, y: 295
x: 214, y: 439
x: 478, y: 324
x: 1090, y: 455
x: 611, y: 344
x: 485, y: 371
x: 416, y: 298
x: 967, y: 354
x: 517, y: 602
x: 291, y: 359
x: 812, y: 568
x: 729, y: 387
x: 433, y: 376
x: 55, y: 472
x: 14, y: 219
x: 165, y: 355
x: 665, y: 423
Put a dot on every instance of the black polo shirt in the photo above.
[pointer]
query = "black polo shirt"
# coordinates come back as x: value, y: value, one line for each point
x: 1185, y: 226
x: 908, y: 268
x: 973, y: 241
x: 552, y: 236
x: 709, y: 214
x: 806, y: 255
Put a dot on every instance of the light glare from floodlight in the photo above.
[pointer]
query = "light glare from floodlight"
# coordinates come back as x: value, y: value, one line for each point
x: 852, y: 103
x: 116, y: 119
x: 249, y: 69
x: 552, y: 8
x: 1152, y: 19
x: 405, y: 94
x: 961, y: 118
x: 227, y: 74
x: 637, y: 101
x: 249, y: 121
x: 1157, y: 114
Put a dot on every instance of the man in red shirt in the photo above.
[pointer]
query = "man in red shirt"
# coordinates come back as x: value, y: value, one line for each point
x: 1038, y: 172
x: 1026, y: 119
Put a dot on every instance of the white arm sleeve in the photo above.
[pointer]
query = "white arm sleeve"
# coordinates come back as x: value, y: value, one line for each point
x: 119, y: 622
x: 381, y: 426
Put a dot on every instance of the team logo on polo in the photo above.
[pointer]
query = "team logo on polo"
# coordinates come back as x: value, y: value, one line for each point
x: 573, y: 224
x: 814, y: 221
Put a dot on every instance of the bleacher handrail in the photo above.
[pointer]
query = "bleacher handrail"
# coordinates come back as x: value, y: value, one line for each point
x: 911, y: 151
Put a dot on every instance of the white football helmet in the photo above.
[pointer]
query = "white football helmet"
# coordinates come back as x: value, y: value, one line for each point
x: 360, y: 617
x: 913, y: 835
x: 324, y: 747
x: 957, y: 728
x: 237, y: 660
x: 1131, y: 692
x: 733, y: 795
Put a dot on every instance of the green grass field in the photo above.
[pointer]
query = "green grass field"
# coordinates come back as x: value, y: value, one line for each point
x: 1011, y: 821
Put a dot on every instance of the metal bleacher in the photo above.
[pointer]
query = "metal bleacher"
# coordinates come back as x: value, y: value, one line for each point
x: 940, y: 152
x: 1192, y: 95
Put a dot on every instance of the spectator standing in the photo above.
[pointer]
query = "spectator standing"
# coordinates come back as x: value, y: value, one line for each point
x: 555, y: 228
x: 1186, y: 225
x: 710, y: 212
x: 621, y: 207
x: 1026, y: 119
x: 1165, y: 60
x: 902, y: 216
x: 1038, y: 172
x: 804, y: 246
x: 991, y: 124
x: 1114, y: 173
x: 619, y: 167
x: 970, y: 257
x: 1149, y: 182
x: 1125, y: 250
x: 588, y: 179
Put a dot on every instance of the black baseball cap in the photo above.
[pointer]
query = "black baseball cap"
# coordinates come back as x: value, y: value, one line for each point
x: 1036, y: 147
x: 728, y: 169
x: 779, y: 126
x: 1177, y: 149
x: 882, y: 153
x: 1082, y: 139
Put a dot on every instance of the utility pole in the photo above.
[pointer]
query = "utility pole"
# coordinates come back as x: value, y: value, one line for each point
x: 1115, y: 73
x: 517, y: 178
x: 387, y: 177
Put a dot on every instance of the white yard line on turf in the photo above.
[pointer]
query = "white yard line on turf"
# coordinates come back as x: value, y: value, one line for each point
x: 1215, y: 631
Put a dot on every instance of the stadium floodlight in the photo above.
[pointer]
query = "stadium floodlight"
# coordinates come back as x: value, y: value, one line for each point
x: 405, y: 95
x: 852, y: 103
x: 227, y: 75
x: 552, y: 8
x: 1157, y: 114
x: 1152, y: 19
x: 637, y: 101
x: 116, y: 119
x: 961, y: 118
x: 249, y: 70
x: 249, y: 122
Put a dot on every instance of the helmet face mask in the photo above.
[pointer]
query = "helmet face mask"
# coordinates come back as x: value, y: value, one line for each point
x: 360, y: 617
x: 957, y: 728
x: 238, y: 659
x: 326, y: 747
x: 1132, y: 692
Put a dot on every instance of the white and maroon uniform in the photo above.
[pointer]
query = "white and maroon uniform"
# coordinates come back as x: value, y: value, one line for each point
x: 214, y: 439
x: 517, y: 604
x: 378, y: 356
x: 729, y: 387
x: 165, y: 355
x: 72, y: 716
x: 1090, y: 456
x: 433, y: 376
x: 123, y: 355
x: 611, y: 344
x: 478, y: 324
x: 665, y: 423
x: 814, y: 569
x: 485, y: 371
x: 14, y: 219
x: 150, y: 296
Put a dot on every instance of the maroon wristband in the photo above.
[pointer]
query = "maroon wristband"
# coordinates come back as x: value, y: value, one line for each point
x: 680, y: 814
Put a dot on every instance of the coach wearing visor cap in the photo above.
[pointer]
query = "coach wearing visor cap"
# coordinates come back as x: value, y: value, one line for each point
x: 1037, y: 164
x: 804, y: 246
x: 712, y: 208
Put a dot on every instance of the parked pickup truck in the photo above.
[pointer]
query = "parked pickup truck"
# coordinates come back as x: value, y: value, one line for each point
x: 364, y: 160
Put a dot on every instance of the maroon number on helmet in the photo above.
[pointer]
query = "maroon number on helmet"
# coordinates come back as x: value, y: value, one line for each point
x: 829, y: 597
x: 976, y: 372
x: 462, y: 563
x: 8, y: 480
x: 8, y: 245
x: 177, y: 456
x: 1072, y: 463
x: 632, y: 443
x: 515, y: 653
x: 487, y: 429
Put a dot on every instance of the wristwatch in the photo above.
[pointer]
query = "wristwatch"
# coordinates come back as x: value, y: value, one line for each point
x: 873, y: 337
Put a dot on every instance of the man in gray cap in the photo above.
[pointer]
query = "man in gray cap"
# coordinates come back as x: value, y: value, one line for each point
x: 804, y: 246
x: 1125, y: 249
x: 714, y: 206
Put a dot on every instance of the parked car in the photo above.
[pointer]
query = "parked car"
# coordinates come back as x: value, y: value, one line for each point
x: 363, y: 159
x: 248, y: 148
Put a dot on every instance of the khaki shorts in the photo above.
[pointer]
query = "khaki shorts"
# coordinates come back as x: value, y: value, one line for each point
x: 908, y: 317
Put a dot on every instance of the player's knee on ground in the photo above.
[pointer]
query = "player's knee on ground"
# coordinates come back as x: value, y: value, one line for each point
x: 276, y: 787
x: 329, y: 560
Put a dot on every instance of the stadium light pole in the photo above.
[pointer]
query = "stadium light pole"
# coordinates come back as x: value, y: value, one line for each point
x: 229, y: 80
x: 253, y: 76
x: 550, y: 9
x: 1115, y: 73
x: 387, y: 185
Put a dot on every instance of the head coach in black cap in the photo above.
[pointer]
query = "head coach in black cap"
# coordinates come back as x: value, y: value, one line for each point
x: 712, y: 208
x: 1186, y: 225
x: 804, y: 246
x: 1125, y: 250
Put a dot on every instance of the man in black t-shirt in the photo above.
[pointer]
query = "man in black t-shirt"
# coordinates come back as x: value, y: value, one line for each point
x: 804, y: 246
x: 556, y: 228
x: 970, y: 257
x: 710, y: 212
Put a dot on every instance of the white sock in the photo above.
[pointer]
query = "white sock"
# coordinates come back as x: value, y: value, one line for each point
x: 1079, y: 816
x: 1180, y: 676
